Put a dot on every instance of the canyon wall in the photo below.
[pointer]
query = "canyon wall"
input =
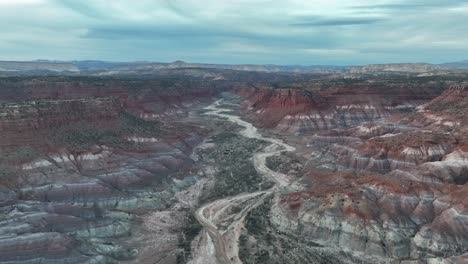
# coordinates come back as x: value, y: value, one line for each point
x: 386, y: 171
x: 96, y: 170
x: 28, y: 123
x: 99, y: 170
x: 305, y: 110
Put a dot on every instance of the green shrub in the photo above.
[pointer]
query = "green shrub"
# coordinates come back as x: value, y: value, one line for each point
x: 6, y: 173
x: 130, y: 124
x: 80, y: 137
x: 20, y: 154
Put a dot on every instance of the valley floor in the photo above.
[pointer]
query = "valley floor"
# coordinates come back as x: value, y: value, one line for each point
x: 223, y: 219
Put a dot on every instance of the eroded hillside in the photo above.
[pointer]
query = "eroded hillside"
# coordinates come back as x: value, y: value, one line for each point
x: 384, y: 178
x: 116, y: 170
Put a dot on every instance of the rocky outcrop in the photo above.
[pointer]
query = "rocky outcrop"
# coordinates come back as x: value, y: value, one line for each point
x: 394, y: 218
x: 297, y: 110
x: 272, y: 106
x: 75, y: 208
x: 81, y: 173
x: 34, y: 107
x: 445, y: 112
x: 392, y: 188
x: 384, y: 154
x: 28, y: 123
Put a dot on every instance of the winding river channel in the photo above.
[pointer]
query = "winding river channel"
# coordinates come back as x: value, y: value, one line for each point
x: 220, y: 221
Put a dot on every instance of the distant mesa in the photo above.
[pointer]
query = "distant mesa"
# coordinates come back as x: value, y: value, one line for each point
x: 103, y: 68
x: 459, y: 64
x: 32, y: 66
x: 399, y: 67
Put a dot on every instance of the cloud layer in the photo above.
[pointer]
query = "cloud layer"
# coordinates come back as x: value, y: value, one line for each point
x: 236, y: 31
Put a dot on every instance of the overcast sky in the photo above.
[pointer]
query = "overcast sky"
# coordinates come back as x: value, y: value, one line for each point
x: 236, y: 31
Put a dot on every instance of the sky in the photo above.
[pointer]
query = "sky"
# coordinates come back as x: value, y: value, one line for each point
x: 288, y: 32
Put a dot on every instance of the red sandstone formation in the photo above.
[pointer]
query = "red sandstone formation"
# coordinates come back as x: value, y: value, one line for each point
x: 392, y: 217
x: 28, y: 123
x: 446, y: 112
x: 300, y: 110
x: 389, y: 190
x: 388, y: 164
x: 81, y: 160
x: 271, y: 106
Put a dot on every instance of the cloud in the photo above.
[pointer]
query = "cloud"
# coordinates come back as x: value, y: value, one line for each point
x: 241, y: 31
x: 19, y: 2
x: 338, y: 21
x: 415, y: 4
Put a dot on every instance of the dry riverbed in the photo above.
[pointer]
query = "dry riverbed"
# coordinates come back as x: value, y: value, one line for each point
x: 223, y: 219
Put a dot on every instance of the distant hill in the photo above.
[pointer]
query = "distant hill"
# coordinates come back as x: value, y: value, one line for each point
x: 106, y: 68
x: 36, y: 66
x: 398, y: 68
x: 458, y: 64
x: 96, y: 64
x: 103, y: 68
x: 148, y: 68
